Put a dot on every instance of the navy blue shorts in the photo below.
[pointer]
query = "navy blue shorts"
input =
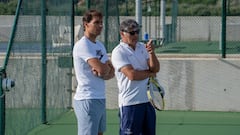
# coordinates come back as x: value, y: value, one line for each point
x: 137, y: 119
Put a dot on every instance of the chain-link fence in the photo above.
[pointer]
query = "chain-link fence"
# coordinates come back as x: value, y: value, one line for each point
x: 197, y: 33
x: 41, y: 60
x: 39, y: 49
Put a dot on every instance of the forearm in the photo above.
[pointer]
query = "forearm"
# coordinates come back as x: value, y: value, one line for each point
x: 141, y: 75
x: 109, y: 72
x: 109, y: 75
x: 154, y: 64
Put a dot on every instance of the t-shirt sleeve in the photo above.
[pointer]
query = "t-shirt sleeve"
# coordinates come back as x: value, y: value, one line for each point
x: 119, y: 60
x: 84, y: 51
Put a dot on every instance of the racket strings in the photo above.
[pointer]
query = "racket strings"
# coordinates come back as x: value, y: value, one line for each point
x: 155, y: 94
x: 158, y: 87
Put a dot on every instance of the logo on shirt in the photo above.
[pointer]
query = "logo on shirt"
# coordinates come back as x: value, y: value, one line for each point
x: 99, y: 54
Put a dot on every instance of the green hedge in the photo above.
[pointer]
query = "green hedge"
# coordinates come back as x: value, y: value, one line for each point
x: 185, y: 8
x: 8, y: 8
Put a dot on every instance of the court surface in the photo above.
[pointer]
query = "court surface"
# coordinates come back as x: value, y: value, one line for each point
x: 168, y: 123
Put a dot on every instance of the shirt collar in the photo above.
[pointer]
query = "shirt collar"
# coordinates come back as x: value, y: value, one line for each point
x: 127, y: 46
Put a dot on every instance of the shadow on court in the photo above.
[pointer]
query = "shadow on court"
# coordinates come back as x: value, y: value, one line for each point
x: 168, y: 123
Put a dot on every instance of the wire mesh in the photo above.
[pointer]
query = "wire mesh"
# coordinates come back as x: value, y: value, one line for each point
x: 24, y: 102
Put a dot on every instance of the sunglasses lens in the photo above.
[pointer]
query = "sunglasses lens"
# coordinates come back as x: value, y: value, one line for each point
x: 134, y: 32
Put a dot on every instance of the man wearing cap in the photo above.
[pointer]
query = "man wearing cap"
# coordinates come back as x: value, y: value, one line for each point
x: 134, y: 63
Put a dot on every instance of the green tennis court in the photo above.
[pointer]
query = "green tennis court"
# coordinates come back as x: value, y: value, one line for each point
x: 199, y: 47
x: 168, y: 123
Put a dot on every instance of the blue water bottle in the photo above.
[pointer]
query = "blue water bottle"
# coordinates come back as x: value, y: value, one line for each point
x: 146, y: 38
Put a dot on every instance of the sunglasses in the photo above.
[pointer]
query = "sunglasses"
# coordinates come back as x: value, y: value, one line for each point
x: 133, y: 32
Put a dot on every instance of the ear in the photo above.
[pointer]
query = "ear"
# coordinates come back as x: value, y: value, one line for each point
x: 85, y: 24
x: 122, y: 33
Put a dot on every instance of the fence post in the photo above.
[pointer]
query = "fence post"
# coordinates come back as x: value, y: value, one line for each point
x: 174, y: 20
x: 223, y: 38
x: 44, y: 61
x: 106, y: 24
x: 2, y: 105
x: 138, y: 15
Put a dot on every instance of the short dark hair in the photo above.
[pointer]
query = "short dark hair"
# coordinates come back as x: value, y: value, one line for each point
x: 128, y: 24
x: 88, y: 16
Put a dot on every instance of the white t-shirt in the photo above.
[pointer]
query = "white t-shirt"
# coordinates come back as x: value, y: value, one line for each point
x: 89, y: 86
x: 130, y: 92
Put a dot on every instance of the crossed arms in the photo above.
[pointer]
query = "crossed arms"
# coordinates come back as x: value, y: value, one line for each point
x: 102, y: 70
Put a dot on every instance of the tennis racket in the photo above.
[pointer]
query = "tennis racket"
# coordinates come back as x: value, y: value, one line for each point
x: 155, y: 94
